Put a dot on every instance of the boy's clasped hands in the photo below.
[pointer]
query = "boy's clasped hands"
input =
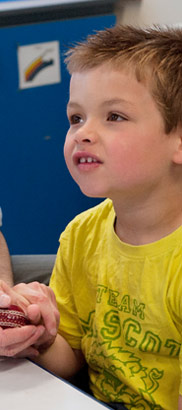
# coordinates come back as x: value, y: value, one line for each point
x: 39, y: 306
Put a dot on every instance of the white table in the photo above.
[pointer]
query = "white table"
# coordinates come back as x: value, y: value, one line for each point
x: 26, y: 386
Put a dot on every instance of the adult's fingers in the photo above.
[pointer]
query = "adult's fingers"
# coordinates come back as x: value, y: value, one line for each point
x: 5, y: 300
x: 16, y: 340
x: 8, y: 296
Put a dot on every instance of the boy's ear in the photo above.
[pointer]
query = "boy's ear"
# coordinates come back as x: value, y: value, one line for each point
x: 177, y: 156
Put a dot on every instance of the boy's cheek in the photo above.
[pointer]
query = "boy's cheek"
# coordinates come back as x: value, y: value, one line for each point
x: 66, y: 149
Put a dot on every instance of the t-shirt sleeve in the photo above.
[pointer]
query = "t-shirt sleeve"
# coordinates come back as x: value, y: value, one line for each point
x: 60, y: 282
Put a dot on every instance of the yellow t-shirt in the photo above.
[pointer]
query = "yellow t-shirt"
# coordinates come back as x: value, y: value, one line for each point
x: 122, y: 305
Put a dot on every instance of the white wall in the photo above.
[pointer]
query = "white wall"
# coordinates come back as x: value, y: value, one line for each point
x: 147, y: 12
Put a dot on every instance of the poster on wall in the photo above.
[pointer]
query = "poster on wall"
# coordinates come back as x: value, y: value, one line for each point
x: 39, y: 64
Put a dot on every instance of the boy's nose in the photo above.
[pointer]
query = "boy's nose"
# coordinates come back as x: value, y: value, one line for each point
x: 87, y: 133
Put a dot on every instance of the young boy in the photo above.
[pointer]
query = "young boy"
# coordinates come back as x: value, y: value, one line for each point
x: 117, y: 276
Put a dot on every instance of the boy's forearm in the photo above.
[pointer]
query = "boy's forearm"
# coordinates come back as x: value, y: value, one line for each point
x: 6, y: 273
x: 61, y: 359
x: 180, y: 403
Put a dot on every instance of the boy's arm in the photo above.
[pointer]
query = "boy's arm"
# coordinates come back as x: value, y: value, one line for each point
x: 180, y: 403
x: 6, y: 273
x: 61, y: 359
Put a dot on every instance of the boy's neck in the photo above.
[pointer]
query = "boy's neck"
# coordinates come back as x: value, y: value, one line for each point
x: 144, y: 223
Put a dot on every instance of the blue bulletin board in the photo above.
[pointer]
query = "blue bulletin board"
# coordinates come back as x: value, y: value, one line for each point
x: 37, y: 194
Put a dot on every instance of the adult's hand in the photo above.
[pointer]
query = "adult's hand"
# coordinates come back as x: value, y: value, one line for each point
x: 8, y: 297
x: 13, y: 341
x: 39, y: 303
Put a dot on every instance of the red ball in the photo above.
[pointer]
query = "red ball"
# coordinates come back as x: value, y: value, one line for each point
x: 13, y: 316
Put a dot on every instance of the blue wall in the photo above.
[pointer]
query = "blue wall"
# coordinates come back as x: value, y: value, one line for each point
x: 37, y: 194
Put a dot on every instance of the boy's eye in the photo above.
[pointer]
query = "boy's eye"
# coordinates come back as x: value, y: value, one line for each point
x: 115, y: 117
x: 75, y: 119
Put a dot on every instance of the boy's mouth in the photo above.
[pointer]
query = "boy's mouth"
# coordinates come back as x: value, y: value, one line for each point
x: 85, y: 158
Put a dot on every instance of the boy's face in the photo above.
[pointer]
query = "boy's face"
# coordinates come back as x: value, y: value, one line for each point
x: 116, y: 145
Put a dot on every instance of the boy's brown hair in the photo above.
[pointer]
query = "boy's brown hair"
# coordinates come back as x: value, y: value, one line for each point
x: 154, y: 53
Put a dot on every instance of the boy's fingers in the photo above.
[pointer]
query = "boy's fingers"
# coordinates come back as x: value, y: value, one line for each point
x: 29, y: 352
x: 42, y: 296
x: 46, y: 313
x: 34, y: 314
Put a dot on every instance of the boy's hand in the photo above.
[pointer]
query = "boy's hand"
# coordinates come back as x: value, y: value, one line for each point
x: 42, y: 305
x: 43, y: 309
